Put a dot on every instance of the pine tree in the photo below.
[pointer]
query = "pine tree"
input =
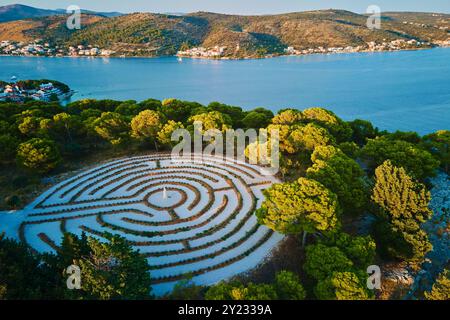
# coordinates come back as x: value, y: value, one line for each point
x: 403, y: 205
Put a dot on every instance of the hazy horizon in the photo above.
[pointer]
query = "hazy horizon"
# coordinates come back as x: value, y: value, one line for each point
x: 249, y: 7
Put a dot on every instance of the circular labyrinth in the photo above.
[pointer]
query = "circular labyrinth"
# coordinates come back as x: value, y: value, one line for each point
x: 188, y: 217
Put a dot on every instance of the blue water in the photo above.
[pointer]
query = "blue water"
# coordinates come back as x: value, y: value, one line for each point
x: 407, y: 90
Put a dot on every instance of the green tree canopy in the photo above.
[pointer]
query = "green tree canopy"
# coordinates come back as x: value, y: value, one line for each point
x: 342, y: 175
x: 307, y: 138
x: 20, y: 271
x: 411, y: 136
x: 237, y: 291
x: 288, y: 286
x: 302, y: 206
x: 339, y: 129
x: 29, y: 126
x: 362, y: 130
x: 150, y: 104
x: 338, y: 262
x: 130, y: 108
x: 4, y: 127
x: 39, y: 155
x: 187, y: 290
x: 8, y: 147
x: 283, y: 134
x: 438, y: 144
x: 399, y: 195
x: 441, y: 288
x: 177, y: 110
x: 236, y: 114
x: 146, y: 125
x: 65, y: 127
x: 90, y: 113
x: 256, y: 120
x: 417, y: 162
x: 165, y: 134
x: 351, y: 149
x: 360, y: 250
x: 106, y: 105
x: 322, y: 261
x: 300, y: 138
x: 112, y: 127
x: 288, y: 117
x: 403, y: 205
x: 113, y: 270
x: 212, y: 120
x: 341, y: 286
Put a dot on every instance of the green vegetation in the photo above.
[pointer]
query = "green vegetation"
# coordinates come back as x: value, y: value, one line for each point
x: 34, y: 84
x: 114, y: 271
x: 20, y: 271
x: 441, y: 288
x: 213, y: 120
x: 164, y: 136
x: 146, y: 34
x: 438, y: 144
x: 403, y: 205
x: 301, y: 206
x: 417, y: 162
x: 342, y: 286
x: 286, y: 286
x: 338, y: 263
x: 342, y: 175
x: 37, y: 154
x: 333, y: 172
x: 322, y: 261
x: 110, y: 270
x: 146, y: 126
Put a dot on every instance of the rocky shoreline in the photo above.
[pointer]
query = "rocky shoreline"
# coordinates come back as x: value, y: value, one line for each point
x: 229, y: 58
x: 438, y: 230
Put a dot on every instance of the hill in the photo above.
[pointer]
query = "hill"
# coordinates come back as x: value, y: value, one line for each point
x: 52, y: 28
x: 151, y: 34
x: 144, y: 33
x: 16, y: 12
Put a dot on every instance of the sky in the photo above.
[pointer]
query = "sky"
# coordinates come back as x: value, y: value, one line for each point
x: 239, y: 6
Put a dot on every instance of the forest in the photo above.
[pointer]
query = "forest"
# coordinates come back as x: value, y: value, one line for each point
x: 333, y: 173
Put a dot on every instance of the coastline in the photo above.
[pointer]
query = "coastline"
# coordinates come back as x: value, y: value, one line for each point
x: 229, y: 58
x: 276, y: 76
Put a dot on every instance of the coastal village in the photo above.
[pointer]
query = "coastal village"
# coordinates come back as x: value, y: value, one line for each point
x: 394, y: 45
x: 201, y: 52
x: 41, y: 48
x: 219, y: 52
x: 16, y: 92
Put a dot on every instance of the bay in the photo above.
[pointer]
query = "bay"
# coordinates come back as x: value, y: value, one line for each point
x: 407, y: 90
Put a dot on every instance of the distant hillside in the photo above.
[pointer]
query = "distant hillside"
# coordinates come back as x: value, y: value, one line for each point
x: 439, y: 19
x: 19, y: 12
x: 244, y: 36
x: 144, y: 33
x: 16, y: 12
x: 52, y: 28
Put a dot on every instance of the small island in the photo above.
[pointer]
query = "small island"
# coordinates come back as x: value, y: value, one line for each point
x: 39, y: 90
